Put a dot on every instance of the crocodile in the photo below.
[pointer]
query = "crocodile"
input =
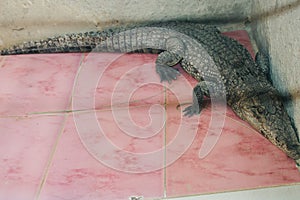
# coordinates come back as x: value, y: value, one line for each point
x: 244, y: 81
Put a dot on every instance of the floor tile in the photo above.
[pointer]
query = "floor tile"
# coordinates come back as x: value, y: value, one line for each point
x: 118, y: 80
x: 77, y: 174
x: 36, y: 83
x: 25, y: 148
x: 241, y: 159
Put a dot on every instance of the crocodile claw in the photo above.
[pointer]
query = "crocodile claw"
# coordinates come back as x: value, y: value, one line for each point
x: 191, y: 110
x: 167, y: 73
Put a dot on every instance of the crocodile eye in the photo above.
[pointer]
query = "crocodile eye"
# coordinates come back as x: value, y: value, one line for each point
x: 272, y: 109
x: 260, y: 110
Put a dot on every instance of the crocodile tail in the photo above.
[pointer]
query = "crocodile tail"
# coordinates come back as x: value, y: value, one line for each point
x: 69, y: 43
x: 104, y: 41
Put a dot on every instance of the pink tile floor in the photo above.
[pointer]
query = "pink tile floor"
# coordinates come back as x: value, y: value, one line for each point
x: 102, y: 126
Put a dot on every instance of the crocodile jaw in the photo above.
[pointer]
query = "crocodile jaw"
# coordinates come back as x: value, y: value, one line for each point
x: 266, y: 113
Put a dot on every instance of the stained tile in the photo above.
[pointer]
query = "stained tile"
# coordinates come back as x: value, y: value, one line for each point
x: 77, y: 174
x: 25, y: 147
x: 107, y: 80
x: 36, y: 83
x: 241, y: 159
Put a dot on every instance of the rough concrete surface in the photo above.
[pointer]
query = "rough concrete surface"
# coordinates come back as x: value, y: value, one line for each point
x: 32, y: 19
x: 276, y: 28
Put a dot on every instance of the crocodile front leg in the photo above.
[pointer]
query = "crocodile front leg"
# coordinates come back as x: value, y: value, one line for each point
x: 199, y: 92
x: 175, y: 50
x: 164, y: 63
x: 263, y: 63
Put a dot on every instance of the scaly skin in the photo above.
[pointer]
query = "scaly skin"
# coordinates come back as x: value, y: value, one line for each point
x: 244, y: 82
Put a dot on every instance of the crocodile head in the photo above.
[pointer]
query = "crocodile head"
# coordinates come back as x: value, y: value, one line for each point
x: 266, y: 113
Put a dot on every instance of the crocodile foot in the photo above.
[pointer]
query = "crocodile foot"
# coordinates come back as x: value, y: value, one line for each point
x: 167, y: 73
x: 191, y: 110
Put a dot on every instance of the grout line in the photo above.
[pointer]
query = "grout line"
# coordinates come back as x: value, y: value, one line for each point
x: 165, y: 144
x: 54, y: 148
x: 52, y: 153
x: 62, y: 112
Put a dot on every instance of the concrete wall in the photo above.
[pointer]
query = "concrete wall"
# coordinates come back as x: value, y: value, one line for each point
x: 32, y: 19
x: 276, y: 28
